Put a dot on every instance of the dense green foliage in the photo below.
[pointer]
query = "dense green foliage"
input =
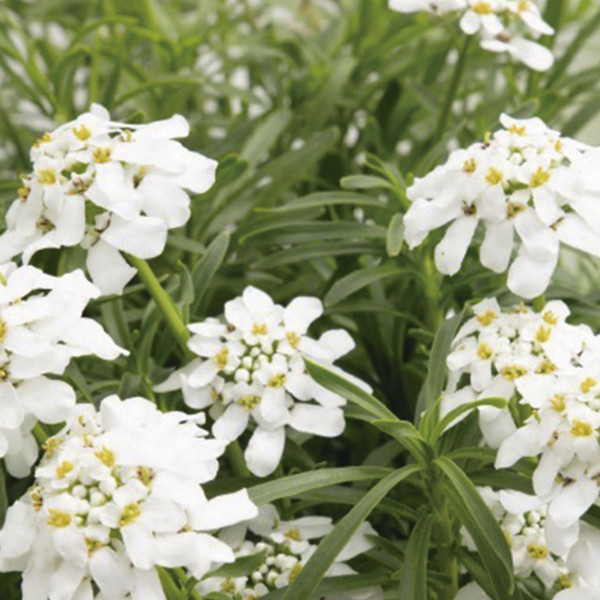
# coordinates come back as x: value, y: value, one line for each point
x: 318, y: 122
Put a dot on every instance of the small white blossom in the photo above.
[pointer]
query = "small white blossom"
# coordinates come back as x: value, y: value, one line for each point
x: 502, y: 25
x: 287, y: 546
x: 41, y: 329
x: 525, y: 179
x: 251, y: 370
x: 117, y: 493
x: 109, y: 187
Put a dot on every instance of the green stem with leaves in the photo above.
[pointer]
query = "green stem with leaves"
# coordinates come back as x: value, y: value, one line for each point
x: 434, y: 314
x: 457, y: 75
x: 236, y: 460
x: 164, y: 302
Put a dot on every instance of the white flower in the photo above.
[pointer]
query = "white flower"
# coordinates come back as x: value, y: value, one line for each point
x: 109, y: 187
x: 525, y: 179
x: 287, y: 546
x: 41, y: 329
x: 251, y: 369
x: 117, y: 493
x: 503, y: 25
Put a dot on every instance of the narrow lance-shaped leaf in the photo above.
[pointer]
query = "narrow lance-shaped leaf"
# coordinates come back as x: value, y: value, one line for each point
x: 469, y: 507
x: 413, y: 584
x: 331, y: 546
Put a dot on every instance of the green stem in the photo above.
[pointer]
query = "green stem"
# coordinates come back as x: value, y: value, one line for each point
x: 433, y: 307
x: 539, y: 303
x: 39, y: 433
x: 444, y: 534
x: 459, y: 70
x: 164, y: 302
x: 236, y: 460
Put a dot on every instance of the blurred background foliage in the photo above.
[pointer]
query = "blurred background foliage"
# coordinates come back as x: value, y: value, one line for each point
x: 320, y: 113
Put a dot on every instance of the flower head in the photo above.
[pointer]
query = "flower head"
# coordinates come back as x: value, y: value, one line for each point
x: 502, y: 25
x: 117, y: 493
x: 526, y: 179
x: 109, y: 187
x: 41, y: 329
x: 286, y: 547
x: 251, y: 369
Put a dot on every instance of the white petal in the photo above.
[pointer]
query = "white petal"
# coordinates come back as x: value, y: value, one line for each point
x: 225, y: 510
x: 574, y: 231
x: 450, y: 252
x: 326, y: 422
x: 139, y: 544
x: 146, y: 585
x: 143, y: 237
x: 164, y: 200
x: 49, y: 400
x: 496, y: 247
x: 110, y: 573
x: 264, y: 450
x: 573, y: 502
x: 301, y: 312
x: 470, y: 23
x: 108, y: 269
x: 232, y: 423
x: 528, y: 277
x: 88, y: 337
x: 65, y: 581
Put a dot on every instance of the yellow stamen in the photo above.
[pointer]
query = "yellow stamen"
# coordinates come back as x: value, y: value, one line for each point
x: 543, y: 334
x: 277, y: 380
x: 58, y: 518
x: 293, y: 339
x: 517, y: 129
x: 537, y: 552
x: 482, y: 8
x: 487, y: 318
x: 587, y: 384
x: 221, y: 357
x: 259, y: 329
x: 581, y: 429
x: 106, y: 456
x: 469, y: 165
x: 558, y: 403
x: 64, y: 469
x: 130, y: 513
x: 249, y: 402
x: 539, y: 178
x: 484, y: 351
x: 494, y: 176
x: 513, y: 372
x: 82, y: 132
x: 101, y: 155
x: 550, y: 317
x: 46, y: 176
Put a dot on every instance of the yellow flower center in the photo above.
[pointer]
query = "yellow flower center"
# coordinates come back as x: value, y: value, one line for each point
x: 558, y: 403
x: 47, y: 176
x: 277, y: 380
x: 293, y: 534
x: 58, y: 518
x: 249, y: 402
x: 484, y: 351
x: 293, y: 339
x: 93, y: 545
x: 295, y: 572
x: 546, y: 367
x: 550, y: 317
x: 130, y: 513
x: 518, y: 129
x: 221, y: 358
x: 106, y: 457
x: 45, y: 138
x: 482, y: 8
x: 581, y: 429
x: 101, y: 155
x: 539, y: 178
x: 469, y: 165
x: 145, y: 475
x: 513, y: 372
x: 63, y: 469
x: 513, y: 209
x: 543, y: 334
x: 494, y: 176
x: 487, y: 318
x: 82, y: 132
x: 564, y: 582
x: 228, y: 586
x: 259, y: 329
x: 587, y: 384
x: 536, y: 551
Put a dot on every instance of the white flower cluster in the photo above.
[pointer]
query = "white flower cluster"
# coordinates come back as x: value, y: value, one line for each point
x: 526, y: 178
x: 502, y: 25
x: 117, y: 493
x: 251, y: 369
x: 41, y: 329
x: 549, y: 372
x: 287, y: 546
x: 565, y: 571
x: 109, y: 187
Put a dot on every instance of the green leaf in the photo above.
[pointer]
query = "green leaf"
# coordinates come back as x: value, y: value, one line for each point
x: 364, y: 182
x: 436, y: 368
x: 355, y: 281
x: 413, y: 584
x: 319, y: 563
x: 242, y: 566
x: 3, y: 495
x: 445, y: 422
x: 265, y: 135
x: 319, y: 199
x: 209, y: 264
x: 345, y: 388
x: 477, y: 518
x: 395, y: 235
x: 292, y: 485
x: 170, y: 588
x: 407, y: 435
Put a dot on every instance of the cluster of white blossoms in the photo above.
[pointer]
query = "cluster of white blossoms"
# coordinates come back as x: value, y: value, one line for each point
x: 502, y: 25
x: 108, y: 187
x: 285, y: 547
x: 117, y: 493
x: 567, y: 572
x: 41, y: 329
x: 549, y: 372
x: 525, y: 178
x: 251, y: 370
